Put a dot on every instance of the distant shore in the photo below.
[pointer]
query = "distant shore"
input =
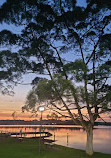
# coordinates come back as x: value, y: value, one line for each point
x: 46, y: 122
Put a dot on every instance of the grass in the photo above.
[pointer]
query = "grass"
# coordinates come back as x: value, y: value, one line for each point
x: 13, y: 148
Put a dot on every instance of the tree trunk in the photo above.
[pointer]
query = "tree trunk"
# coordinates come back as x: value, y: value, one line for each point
x: 89, y: 144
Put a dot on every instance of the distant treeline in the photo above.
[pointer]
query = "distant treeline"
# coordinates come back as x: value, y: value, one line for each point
x: 45, y: 122
x: 103, y: 123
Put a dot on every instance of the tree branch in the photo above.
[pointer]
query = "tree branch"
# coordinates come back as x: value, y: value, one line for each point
x: 96, y: 45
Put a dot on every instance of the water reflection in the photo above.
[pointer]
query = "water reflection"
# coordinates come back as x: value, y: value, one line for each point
x: 72, y: 137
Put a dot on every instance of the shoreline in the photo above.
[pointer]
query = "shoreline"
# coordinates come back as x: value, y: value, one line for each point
x: 53, y: 126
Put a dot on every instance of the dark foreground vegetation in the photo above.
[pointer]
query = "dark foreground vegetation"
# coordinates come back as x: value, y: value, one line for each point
x: 29, y: 148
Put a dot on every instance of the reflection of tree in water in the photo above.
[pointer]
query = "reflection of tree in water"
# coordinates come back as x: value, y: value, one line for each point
x: 34, y: 128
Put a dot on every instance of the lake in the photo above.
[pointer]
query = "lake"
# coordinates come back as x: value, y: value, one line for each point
x: 71, y: 136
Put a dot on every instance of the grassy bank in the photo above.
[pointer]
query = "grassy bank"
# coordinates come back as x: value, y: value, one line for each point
x: 14, y: 148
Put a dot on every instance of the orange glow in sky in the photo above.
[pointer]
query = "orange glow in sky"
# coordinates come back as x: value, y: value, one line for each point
x: 9, y: 104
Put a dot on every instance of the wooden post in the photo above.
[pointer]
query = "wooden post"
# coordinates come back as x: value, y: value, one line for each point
x: 67, y: 139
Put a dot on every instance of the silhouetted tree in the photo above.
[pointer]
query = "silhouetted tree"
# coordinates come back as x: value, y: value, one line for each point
x: 48, y: 30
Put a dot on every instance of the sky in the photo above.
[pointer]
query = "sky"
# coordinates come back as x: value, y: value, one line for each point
x: 9, y: 104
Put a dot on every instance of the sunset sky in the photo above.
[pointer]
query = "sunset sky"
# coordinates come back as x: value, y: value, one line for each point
x: 9, y: 104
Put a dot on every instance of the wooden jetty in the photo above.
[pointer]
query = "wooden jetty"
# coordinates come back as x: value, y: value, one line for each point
x: 26, y: 134
x: 35, y: 134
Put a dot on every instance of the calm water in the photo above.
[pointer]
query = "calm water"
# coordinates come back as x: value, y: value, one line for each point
x: 72, y: 136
